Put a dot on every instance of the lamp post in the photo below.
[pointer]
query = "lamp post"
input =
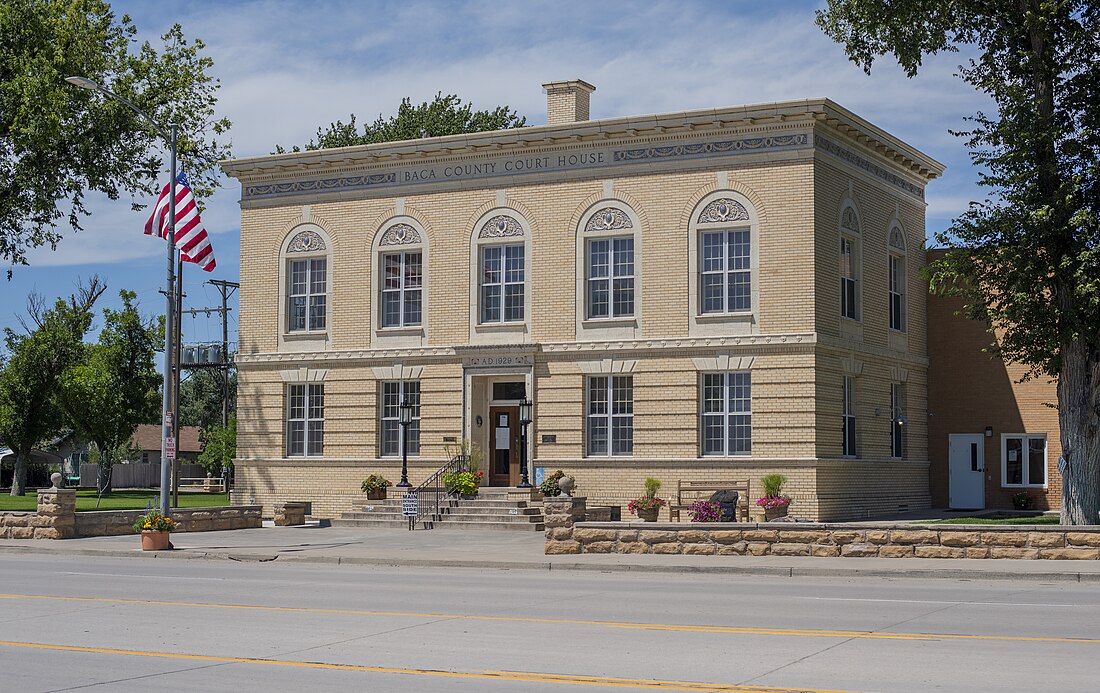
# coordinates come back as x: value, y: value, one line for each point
x: 404, y: 417
x: 170, y: 301
x: 524, y: 421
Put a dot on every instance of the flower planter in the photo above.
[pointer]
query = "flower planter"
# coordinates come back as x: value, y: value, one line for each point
x: 648, y: 515
x: 380, y: 494
x: 467, y: 496
x: 152, y: 540
x: 775, y: 513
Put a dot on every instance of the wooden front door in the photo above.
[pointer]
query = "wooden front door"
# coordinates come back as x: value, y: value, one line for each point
x: 504, y: 446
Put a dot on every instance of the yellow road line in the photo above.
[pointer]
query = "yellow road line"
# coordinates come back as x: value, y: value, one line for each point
x: 727, y: 630
x: 571, y: 679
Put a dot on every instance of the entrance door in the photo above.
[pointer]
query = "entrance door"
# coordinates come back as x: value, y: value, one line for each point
x: 966, y: 468
x: 504, y: 444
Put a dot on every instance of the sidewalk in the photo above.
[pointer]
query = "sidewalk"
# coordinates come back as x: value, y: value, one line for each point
x: 523, y: 550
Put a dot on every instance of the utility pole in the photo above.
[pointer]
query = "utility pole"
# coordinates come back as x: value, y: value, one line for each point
x: 177, y: 371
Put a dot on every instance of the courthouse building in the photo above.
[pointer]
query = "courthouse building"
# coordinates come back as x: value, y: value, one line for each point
x: 714, y: 294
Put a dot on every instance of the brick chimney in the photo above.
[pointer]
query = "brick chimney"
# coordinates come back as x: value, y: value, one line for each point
x: 567, y: 102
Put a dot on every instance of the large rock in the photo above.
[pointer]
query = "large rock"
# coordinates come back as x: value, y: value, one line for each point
x: 699, y: 549
x: 859, y: 550
x: 960, y: 538
x: 825, y: 550
x: 1046, y: 539
x: 938, y: 552
x: 913, y: 536
x: 727, y: 501
x: 1018, y: 538
x: 554, y: 548
x: 1014, y: 553
x: 1070, y: 554
x: 735, y: 549
x: 585, y: 535
x: 843, y: 536
x: 694, y: 536
x: 896, y: 551
x: 785, y: 549
x: 760, y: 535
x: 668, y: 547
x: 633, y: 547
x: 651, y: 536
x: 726, y: 536
x: 1083, y: 538
x: 598, y: 547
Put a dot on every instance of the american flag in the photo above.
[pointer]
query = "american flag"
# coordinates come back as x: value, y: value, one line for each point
x: 191, y: 239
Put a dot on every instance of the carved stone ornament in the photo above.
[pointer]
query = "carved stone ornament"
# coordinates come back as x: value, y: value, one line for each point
x: 501, y: 226
x: 897, y: 239
x: 400, y: 234
x: 609, y: 219
x: 306, y: 242
x: 723, y: 210
x: 848, y: 219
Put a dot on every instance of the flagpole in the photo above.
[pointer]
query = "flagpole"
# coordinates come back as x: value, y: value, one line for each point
x: 169, y: 338
x: 177, y: 376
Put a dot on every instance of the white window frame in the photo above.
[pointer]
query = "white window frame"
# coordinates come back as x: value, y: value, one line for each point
x: 727, y: 414
x: 702, y: 220
x: 896, y: 279
x: 405, y: 388
x: 313, y: 440
x: 606, y: 385
x: 305, y: 241
x: 309, y: 295
x: 1025, y: 465
x: 849, y: 429
x: 850, y: 234
x: 503, y: 283
x: 402, y: 291
x: 725, y: 272
x: 898, y: 421
x: 612, y: 277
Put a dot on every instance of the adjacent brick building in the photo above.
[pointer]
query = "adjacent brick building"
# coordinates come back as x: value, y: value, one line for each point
x: 716, y: 294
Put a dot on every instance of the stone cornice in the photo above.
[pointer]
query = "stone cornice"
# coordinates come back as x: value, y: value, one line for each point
x: 781, y: 343
x: 627, y: 144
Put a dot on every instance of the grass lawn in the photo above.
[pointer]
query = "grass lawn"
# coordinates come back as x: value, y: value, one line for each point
x: 128, y: 499
x: 998, y: 520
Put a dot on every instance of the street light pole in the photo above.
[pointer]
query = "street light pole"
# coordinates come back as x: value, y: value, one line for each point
x: 167, y: 439
x: 404, y: 417
x: 524, y: 422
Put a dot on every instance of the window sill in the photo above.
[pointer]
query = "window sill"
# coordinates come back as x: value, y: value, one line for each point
x: 410, y: 330
x: 742, y: 316
x: 1040, y: 486
x: 610, y: 322
x: 844, y: 319
x: 304, y: 334
x: 501, y: 327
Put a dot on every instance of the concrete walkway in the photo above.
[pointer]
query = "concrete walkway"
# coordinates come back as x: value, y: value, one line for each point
x: 523, y: 550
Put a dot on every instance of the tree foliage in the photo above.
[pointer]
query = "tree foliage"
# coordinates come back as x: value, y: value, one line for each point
x: 444, y: 115
x: 114, y: 386
x: 36, y: 363
x: 219, y: 447
x: 1027, y: 259
x: 200, y: 400
x: 59, y: 142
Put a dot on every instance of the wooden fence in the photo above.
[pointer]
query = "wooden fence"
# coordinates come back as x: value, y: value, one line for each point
x: 135, y: 475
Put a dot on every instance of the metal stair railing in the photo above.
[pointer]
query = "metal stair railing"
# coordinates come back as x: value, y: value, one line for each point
x: 427, y: 499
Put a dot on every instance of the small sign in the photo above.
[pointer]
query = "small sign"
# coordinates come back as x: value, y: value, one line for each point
x: 540, y: 475
x: 550, y: 438
x: 169, y: 448
x: 168, y: 419
x: 450, y: 439
x: 410, y: 505
x: 1062, y: 464
x: 500, y: 360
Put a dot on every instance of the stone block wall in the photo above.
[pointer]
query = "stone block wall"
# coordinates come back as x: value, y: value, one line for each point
x: 53, y: 520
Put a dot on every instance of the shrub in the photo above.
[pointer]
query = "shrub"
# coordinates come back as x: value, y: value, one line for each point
x: 549, y: 486
x: 462, y: 482
x: 773, y: 484
x: 375, y: 483
x: 705, y: 511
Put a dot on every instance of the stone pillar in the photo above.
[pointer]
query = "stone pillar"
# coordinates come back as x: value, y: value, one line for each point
x: 56, y: 514
x: 561, y: 513
x: 288, y: 514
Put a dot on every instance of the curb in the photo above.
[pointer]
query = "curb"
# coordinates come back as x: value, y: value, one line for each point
x: 734, y: 571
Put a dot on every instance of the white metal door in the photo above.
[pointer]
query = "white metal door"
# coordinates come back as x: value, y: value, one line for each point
x: 966, y: 469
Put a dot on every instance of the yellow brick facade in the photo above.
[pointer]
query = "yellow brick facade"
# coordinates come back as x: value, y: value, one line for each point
x: 792, y: 166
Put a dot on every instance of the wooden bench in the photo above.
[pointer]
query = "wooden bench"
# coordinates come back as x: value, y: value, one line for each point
x: 688, y: 492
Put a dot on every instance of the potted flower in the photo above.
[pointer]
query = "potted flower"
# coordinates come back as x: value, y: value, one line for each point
x: 462, y: 483
x: 554, y: 484
x: 154, y: 529
x: 1023, y: 500
x: 375, y: 487
x: 647, y: 507
x: 774, y: 503
x: 705, y: 511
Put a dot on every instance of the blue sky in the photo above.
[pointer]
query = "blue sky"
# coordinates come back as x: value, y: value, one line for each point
x: 288, y: 67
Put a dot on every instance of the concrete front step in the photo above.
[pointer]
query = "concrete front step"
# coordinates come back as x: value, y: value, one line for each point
x: 494, y: 508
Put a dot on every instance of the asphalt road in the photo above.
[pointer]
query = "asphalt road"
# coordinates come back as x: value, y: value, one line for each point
x: 75, y: 623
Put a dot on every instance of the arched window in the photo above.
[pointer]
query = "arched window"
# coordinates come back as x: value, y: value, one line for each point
x: 896, y: 276
x: 400, y: 253
x: 608, y: 249
x: 501, y: 260
x: 723, y: 242
x: 850, y: 261
x: 306, y: 258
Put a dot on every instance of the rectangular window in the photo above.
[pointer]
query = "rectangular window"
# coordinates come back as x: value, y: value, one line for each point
x: 1024, y: 460
x: 305, y: 420
x: 898, y: 420
x: 307, y: 295
x: 897, y: 293
x: 725, y: 275
x: 848, y: 294
x: 402, y: 286
x: 611, y: 277
x: 726, y: 413
x: 848, y: 407
x: 393, y: 394
x: 502, y: 283
x: 610, y: 419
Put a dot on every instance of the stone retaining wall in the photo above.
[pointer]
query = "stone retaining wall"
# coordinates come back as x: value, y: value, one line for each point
x: 566, y: 535
x: 57, y: 518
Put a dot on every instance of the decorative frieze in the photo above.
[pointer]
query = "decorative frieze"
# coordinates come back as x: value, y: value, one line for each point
x: 306, y: 242
x: 400, y: 234
x: 609, y: 219
x: 872, y: 168
x: 723, y: 210
x: 501, y: 226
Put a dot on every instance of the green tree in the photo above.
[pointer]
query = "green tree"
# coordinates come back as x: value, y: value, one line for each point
x: 36, y: 362
x: 219, y: 447
x: 114, y: 387
x: 1027, y: 260
x: 200, y: 401
x: 58, y: 142
x: 444, y: 115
